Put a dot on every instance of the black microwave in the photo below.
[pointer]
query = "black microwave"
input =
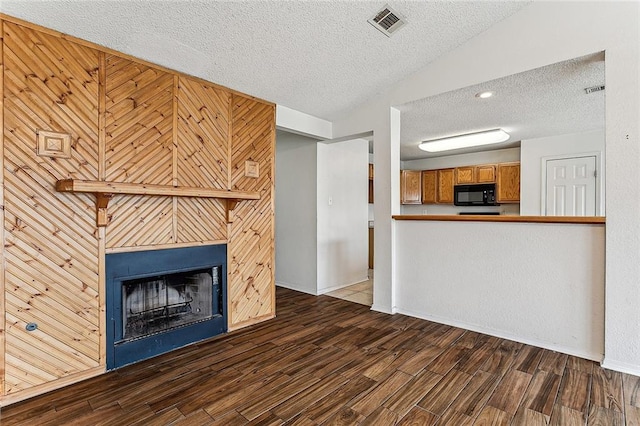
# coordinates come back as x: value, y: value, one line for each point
x: 482, y: 194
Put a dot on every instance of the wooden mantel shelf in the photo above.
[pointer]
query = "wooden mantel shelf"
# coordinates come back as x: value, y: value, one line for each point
x: 105, y: 190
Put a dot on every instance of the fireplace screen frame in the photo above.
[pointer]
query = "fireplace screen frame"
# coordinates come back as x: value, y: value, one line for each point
x: 161, y: 303
x: 129, y: 266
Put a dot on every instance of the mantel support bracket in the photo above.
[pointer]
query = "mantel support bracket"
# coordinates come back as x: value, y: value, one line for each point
x: 102, y: 202
x: 230, y: 204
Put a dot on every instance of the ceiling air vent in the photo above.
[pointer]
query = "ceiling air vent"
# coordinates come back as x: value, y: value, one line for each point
x: 388, y: 21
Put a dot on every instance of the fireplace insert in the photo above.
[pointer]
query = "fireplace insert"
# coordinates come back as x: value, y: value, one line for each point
x: 163, y: 299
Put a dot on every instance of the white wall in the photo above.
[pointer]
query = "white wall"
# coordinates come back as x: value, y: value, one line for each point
x: 472, y: 158
x: 517, y: 283
x: 342, y: 184
x: 296, y: 196
x: 303, y: 124
x: 540, y: 34
x: 448, y: 161
x: 532, y: 169
x: 449, y: 209
x: 320, y: 247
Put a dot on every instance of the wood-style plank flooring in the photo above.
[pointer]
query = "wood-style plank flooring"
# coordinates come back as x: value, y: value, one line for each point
x: 325, y: 361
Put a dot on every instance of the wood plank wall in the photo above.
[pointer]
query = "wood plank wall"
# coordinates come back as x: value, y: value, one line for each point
x: 251, y: 237
x: 51, y: 245
x: 130, y: 121
x: 3, y: 333
x: 203, y: 160
x: 139, y: 149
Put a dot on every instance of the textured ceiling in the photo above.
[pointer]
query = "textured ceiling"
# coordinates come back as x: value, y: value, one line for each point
x: 318, y: 57
x: 542, y: 102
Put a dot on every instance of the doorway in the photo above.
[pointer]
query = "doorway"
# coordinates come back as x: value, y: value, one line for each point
x: 571, y: 187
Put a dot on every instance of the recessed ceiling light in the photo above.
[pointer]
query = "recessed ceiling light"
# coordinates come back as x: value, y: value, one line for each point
x: 485, y: 95
x: 465, y: 141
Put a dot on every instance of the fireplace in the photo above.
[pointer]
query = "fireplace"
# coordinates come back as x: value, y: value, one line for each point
x: 160, y: 300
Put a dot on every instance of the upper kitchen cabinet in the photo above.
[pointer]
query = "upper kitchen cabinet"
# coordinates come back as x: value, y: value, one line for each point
x: 429, y: 186
x: 437, y: 185
x: 465, y: 175
x: 508, y: 182
x: 485, y: 173
x: 446, y: 179
x: 370, y: 183
x: 410, y: 187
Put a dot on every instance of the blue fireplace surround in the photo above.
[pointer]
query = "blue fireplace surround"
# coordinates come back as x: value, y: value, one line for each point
x: 122, y: 267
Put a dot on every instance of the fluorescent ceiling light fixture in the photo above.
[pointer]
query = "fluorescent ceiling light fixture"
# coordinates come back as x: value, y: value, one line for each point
x: 465, y: 141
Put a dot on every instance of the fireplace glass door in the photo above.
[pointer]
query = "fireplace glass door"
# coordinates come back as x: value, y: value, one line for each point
x: 160, y: 303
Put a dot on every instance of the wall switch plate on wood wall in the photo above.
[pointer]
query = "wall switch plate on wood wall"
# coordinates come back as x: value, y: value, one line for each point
x: 53, y: 144
x: 251, y: 169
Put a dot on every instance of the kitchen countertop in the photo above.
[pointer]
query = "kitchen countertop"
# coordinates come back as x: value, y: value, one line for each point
x: 592, y: 220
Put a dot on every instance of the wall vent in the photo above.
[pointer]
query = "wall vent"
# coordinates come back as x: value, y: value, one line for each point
x: 388, y: 21
x: 593, y: 89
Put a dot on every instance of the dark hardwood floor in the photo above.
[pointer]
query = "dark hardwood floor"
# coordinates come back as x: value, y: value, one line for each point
x: 325, y: 361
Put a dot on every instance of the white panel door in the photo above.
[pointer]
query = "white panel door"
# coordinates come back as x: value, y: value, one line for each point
x: 571, y: 187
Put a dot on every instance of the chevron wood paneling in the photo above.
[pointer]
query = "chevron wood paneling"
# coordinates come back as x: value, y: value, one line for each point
x: 202, y: 158
x: 131, y: 122
x: 139, y: 119
x: 138, y: 220
x: 203, y: 135
x: 2, y: 255
x: 201, y: 219
x: 139, y: 149
x: 251, y: 239
x: 51, y: 245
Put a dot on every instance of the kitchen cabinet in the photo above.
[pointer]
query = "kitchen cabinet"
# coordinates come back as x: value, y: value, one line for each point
x: 446, y: 179
x: 370, y: 248
x: 437, y: 185
x: 410, y: 187
x: 465, y: 175
x: 429, y: 186
x: 508, y: 183
x: 370, y: 183
x: 485, y: 173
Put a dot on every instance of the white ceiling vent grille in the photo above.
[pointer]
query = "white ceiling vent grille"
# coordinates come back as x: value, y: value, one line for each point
x: 388, y: 21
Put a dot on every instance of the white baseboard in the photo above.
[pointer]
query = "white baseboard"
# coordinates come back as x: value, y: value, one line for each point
x: 338, y: 287
x: 383, y: 309
x: 319, y: 292
x: 497, y: 333
x: 622, y: 367
x: 293, y: 287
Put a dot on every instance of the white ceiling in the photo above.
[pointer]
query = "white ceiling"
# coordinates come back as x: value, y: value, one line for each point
x: 317, y: 57
x: 543, y: 102
x: 324, y: 59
